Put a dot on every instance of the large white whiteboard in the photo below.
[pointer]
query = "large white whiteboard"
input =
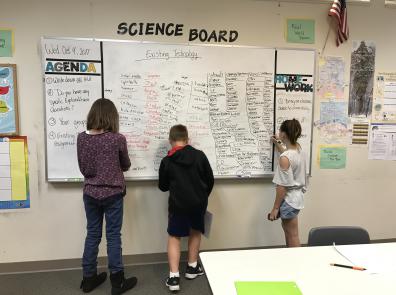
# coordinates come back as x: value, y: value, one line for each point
x: 225, y: 95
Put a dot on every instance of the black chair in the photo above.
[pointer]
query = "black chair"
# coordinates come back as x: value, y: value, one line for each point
x: 340, y: 235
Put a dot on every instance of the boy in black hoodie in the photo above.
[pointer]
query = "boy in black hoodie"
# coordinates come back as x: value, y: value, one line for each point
x: 186, y: 173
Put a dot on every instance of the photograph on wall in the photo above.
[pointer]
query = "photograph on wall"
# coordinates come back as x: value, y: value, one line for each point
x: 8, y: 100
x: 14, y: 173
x: 361, y: 79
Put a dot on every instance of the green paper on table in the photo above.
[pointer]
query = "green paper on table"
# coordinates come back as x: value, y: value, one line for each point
x: 267, y: 288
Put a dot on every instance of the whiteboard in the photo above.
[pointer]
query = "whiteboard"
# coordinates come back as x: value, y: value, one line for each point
x: 296, y: 102
x: 226, y: 96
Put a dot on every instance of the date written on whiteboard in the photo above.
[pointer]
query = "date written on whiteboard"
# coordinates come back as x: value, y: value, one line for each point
x: 54, y: 49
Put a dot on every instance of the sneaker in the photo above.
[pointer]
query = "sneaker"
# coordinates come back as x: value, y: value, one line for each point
x: 173, y: 283
x: 193, y: 272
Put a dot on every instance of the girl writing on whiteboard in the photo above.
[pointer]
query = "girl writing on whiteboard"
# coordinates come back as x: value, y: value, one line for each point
x: 290, y: 180
x: 102, y: 158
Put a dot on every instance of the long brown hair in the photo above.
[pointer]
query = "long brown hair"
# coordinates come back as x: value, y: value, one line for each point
x: 103, y: 115
x: 292, y: 128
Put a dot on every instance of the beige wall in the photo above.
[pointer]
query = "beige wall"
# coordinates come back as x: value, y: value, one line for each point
x: 54, y: 228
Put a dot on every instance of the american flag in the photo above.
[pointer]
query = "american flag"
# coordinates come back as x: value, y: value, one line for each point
x: 339, y: 11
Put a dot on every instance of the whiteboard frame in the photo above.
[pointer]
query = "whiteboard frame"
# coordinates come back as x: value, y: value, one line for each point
x: 257, y: 176
x: 45, y: 109
x: 350, y: 2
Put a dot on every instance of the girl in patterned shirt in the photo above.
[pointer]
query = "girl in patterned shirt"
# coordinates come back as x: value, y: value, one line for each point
x: 102, y: 157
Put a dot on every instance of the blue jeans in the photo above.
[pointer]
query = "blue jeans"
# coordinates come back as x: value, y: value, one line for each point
x: 112, y: 209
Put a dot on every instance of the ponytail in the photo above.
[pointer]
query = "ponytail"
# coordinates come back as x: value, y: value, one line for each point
x: 292, y: 128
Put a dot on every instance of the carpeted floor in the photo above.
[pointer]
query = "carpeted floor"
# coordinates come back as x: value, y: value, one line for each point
x: 151, y: 281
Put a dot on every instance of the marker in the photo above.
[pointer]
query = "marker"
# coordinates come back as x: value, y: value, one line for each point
x: 278, y: 141
x: 348, y: 266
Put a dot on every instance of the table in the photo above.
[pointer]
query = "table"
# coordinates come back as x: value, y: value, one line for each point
x: 309, y: 267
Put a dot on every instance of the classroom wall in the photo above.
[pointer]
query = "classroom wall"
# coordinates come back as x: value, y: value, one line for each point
x: 54, y: 228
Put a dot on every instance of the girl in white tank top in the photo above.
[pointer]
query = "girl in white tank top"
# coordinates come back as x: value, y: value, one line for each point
x: 290, y: 180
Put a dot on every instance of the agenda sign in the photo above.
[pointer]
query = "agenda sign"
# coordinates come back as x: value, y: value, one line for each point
x: 171, y: 29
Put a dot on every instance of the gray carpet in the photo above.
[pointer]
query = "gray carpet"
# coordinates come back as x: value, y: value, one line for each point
x: 151, y: 281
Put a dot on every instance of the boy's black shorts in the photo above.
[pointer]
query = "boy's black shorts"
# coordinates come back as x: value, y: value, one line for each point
x: 179, y: 224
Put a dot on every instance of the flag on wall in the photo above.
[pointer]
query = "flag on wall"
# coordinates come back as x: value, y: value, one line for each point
x: 339, y: 11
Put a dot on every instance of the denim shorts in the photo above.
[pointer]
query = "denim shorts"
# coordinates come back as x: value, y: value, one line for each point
x: 287, y: 212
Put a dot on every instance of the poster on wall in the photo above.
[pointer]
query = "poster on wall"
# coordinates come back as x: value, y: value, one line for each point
x: 14, y: 173
x: 300, y: 31
x: 8, y: 100
x: 333, y: 124
x: 358, y: 131
x: 331, y: 77
x: 6, y: 42
x: 361, y: 79
x: 382, y: 145
x: 384, y: 105
x: 332, y: 156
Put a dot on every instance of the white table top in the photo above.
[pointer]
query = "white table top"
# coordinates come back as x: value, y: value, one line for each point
x: 309, y: 267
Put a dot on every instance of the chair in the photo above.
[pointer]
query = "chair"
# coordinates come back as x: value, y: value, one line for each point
x: 340, y: 235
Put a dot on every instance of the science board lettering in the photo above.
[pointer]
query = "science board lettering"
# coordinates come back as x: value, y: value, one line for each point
x: 175, y: 30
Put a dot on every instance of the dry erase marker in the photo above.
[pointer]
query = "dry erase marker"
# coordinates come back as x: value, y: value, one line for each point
x: 278, y: 141
x: 348, y: 266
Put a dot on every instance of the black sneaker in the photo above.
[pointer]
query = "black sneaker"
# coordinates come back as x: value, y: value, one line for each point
x: 193, y: 272
x: 173, y: 283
